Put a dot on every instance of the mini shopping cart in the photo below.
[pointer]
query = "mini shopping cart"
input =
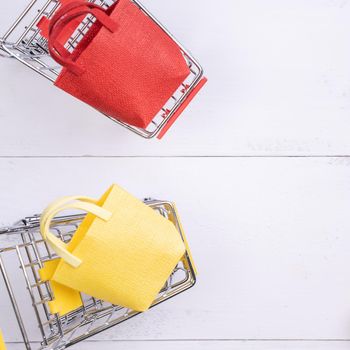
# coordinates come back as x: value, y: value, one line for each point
x: 29, y: 296
x: 24, y: 42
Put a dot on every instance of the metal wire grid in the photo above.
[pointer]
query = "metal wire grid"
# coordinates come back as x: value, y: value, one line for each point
x: 95, y: 315
x: 24, y: 43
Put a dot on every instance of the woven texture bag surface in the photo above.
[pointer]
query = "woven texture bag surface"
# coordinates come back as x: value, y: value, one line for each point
x: 65, y: 299
x: 128, y: 72
x: 124, y: 258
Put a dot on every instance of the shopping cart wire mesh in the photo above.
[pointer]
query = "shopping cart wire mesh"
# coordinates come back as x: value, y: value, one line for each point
x: 28, y: 296
x: 24, y: 42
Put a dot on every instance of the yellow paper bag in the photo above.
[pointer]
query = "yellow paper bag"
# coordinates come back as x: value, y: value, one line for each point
x: 2, y: 342
x: 65, y: 299
x: 123, y: 252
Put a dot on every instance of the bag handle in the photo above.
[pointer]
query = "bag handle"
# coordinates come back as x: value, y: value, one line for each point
x: 60, y: 202
x: 44, y: 22
x: 86, y: 204
x: 63, y: 200
x: 65, y: 8
x: 63, y: 17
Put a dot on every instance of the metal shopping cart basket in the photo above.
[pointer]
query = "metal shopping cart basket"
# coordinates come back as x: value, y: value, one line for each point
x: 29, y: 296
x: 24, y: 42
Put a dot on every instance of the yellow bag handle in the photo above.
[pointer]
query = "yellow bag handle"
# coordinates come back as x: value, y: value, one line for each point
x: 86, y: 204
x: 59, y: 202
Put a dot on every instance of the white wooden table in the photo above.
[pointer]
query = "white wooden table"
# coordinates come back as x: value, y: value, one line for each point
x: 258, y: 165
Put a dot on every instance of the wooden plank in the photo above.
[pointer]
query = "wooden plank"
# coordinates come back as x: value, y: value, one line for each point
x: 270, y: 238
x: 278, y: 85
x: 207, y: 345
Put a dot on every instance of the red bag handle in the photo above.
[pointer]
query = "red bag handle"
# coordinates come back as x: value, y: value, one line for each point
x: 63, y: 11
x: 65, y: 15
x: 65, y: 8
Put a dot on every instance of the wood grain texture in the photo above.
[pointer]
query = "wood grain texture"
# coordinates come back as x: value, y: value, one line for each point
x: 258, y: 166
x: 270, y: 237
x: 207, y: 345
x: 278, y: 85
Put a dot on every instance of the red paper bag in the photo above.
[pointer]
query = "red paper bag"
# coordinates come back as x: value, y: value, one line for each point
x: 126, y: 66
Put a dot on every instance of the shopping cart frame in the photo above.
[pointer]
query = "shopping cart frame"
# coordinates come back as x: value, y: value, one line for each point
x: 54, y: 324
x: 11, y: 47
